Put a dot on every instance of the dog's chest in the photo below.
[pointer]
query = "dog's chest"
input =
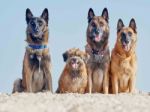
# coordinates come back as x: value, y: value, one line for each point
x: 38, y: 77
x: 77, y: 79
x: 98, y: 61
x: 38, y: 80
x: 125, y: 67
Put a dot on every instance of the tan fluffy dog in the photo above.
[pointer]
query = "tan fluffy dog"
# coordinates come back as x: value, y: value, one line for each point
x: 74, y: 76
x: 123, y: 59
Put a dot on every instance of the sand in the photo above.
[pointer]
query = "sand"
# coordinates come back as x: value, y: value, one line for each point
x: 47, y: 102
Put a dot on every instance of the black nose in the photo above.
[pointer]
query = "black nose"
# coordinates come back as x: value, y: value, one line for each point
x: 96, y: 30
x: 74, y: 60
x: 36, y: 29
x: 124, y: 38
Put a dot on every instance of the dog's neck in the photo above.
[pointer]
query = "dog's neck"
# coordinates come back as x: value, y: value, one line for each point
x: 43, y: 38
x: 75, y: 73
x: 37, y: 47
x: 96, y: 51
x: 38, y: 50
x: 123, y: 55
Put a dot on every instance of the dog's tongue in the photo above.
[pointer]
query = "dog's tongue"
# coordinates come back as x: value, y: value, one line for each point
x: 74, y: 65
x: 97, y: 38
x: 126, y: 47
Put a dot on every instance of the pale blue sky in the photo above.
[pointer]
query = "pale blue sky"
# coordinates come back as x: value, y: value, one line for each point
x: 67, y: 25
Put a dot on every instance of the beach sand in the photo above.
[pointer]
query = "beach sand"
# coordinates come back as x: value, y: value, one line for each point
x: 48, y: 102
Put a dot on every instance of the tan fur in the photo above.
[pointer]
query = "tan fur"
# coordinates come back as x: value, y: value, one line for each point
x: 124, y: 64
x: 77, y: 83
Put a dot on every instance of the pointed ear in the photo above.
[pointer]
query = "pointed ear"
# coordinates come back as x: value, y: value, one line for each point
x: 65, y: 56
x: 120, y: 25
x: 90, y: 15
x: 132, y: 25
x: 105, y: 14
x: 45, y: 15
x: 29, y: 15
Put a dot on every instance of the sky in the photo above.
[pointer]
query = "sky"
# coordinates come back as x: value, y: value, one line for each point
x: 67, y: 27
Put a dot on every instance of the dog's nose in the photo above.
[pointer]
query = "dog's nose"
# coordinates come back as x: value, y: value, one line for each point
x: 124, y: 38
x: 74, y: 60
x: 97, y: 30
x: 127, y: 41
x: 36, y: 29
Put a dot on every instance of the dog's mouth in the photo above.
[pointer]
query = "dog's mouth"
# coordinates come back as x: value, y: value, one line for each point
x: 96, y: 35
x: 126, y: 46
x: 98, y: 38
x: 36, y: 37
x: 74, y: 65
x: 126, y: 42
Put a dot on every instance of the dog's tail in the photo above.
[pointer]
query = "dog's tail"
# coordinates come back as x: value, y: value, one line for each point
x: 17, y: 87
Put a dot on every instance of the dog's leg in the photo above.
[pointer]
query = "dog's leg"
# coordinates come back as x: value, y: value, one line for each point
x: 132, y: 84
x: 81, y: 90
x: 106, y: 79
x: 27, y: 74
x: 48, y: 76
x: 89, y: 80
x: 106, y: 83
x: 17, y: 87
x: 115, y: 85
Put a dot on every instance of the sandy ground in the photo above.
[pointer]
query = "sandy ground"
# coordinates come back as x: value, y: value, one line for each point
x: 47, y: 102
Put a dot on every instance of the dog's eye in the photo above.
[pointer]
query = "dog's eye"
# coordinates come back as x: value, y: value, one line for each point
x: 101, y: 24
x: 40, y: 23
x: 130, y: 34
x: 31, y: 22
x: 93, y: 24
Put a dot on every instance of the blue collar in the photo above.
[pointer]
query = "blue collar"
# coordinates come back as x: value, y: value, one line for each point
x: 38, y: 46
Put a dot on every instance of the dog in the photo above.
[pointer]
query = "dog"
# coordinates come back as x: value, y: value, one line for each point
x: 36, y: 73
x: 123, y: 58
x: 74, y: 76
x: 97, y: 47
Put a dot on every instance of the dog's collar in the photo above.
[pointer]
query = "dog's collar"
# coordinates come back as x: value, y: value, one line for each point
x: 97, y: 52
x: 37, y: 46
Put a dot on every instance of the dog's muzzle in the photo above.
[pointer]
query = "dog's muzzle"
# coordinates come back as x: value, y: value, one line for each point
x: 96, y: 34
x: 126, y: 41
x: 36, y: 39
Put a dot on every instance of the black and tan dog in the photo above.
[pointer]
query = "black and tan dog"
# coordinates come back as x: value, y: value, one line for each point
x: 37, y: 63
x: 98, y: 49
x: 74, y: 76
x: 123, y: 58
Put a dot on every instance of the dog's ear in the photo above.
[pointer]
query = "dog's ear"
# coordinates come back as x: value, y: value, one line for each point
x: 105, y: 14
x: 29, y: 15
x: 120, y: 25
x: 90, y: 15
x: 132, y: 25
x: 65, y: 56
x: 45, y: 15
